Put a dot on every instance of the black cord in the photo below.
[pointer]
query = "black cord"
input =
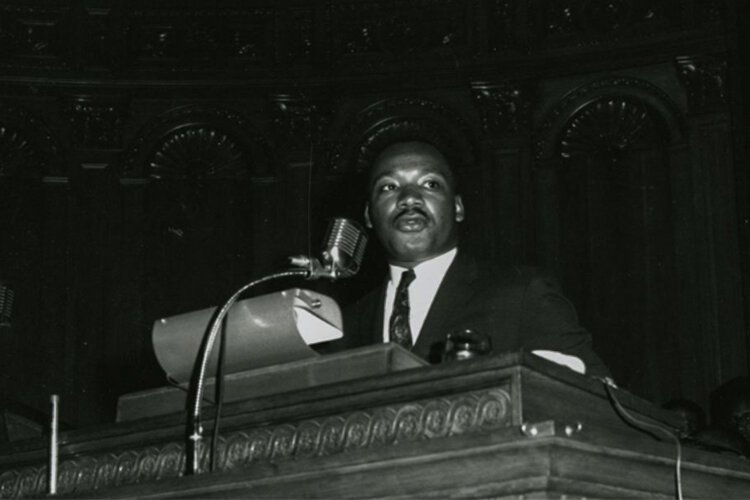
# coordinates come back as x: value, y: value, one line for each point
x: 172, y: 382
x: 649, y: 427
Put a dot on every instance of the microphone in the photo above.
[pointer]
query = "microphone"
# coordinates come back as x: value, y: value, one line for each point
x: 343, y: 251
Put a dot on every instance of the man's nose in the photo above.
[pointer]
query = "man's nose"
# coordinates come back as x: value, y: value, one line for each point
x: 410, y: 196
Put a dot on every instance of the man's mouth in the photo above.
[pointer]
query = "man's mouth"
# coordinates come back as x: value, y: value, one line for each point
x: 411, y: 221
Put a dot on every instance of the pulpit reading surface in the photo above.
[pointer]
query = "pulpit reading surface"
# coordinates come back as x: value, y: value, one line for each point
x: 321, y: 370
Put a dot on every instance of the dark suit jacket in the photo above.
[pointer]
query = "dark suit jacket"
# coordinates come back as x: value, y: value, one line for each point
x: 519, y: 308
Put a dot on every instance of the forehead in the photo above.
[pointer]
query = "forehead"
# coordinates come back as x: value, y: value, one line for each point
x: 410, y: 156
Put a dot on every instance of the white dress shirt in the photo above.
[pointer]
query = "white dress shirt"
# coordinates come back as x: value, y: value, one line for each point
x: 422, y: 291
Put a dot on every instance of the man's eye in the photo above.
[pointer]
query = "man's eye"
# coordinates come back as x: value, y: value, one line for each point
x: 387, y: 187
x: 432, y: 184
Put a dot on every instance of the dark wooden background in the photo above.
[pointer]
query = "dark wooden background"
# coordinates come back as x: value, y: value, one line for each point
x: 154, y: 156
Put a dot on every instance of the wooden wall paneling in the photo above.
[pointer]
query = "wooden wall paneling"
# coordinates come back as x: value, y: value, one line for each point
x: 605, y: 224
x: 52, y: 344
x: 738, y: 83
x: 505, y: 197
x: 546, y: 226
x: 25, y: 357
x: 35, y: 251
x: 90, y: 226
x: 133, y: 362
x: 687, y: 316
x: 503, y: 128
x: 719, y: 284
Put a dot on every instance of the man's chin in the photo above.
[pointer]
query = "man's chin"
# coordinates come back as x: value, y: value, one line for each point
x: 412, y: 250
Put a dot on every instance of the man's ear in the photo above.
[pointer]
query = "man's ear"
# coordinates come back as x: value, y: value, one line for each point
x: 368, y: 222
x: 459, y: 208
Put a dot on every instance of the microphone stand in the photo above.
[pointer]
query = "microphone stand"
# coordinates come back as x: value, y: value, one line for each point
x: 341, y: 258
x: 194, y: 427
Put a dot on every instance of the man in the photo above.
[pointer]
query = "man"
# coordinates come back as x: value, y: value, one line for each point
x: 415, y: 211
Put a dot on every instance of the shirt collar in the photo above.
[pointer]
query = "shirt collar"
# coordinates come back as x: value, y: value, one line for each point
x: 434, y: 267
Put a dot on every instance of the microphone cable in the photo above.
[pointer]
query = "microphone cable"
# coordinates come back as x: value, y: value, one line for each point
x: 649, y: 427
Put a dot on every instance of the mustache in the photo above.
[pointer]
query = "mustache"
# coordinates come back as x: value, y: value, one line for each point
x: 408, y: 212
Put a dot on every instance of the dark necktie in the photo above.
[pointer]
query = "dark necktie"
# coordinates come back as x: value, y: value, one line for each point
x: 398, y: 328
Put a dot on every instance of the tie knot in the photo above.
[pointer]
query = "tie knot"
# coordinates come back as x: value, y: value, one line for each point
x: 406, y: 278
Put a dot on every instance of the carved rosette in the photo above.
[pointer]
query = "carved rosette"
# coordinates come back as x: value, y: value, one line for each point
x: 473, y: 412
x: 502, y: 107
x: 609, y: 116
x: 705, y: 80
x: 198, y: 151
x: 199, y: 142
x: 26, y: 145
x: 397, y: 119
x: 609, y: 127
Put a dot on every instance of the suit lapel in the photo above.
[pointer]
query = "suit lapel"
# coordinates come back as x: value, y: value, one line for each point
x: 456, y: 289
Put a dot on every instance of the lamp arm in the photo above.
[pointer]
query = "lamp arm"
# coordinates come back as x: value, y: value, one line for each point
x: 194, y: 428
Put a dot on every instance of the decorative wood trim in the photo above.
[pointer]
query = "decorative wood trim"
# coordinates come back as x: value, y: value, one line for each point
x: 221, y: 142
x: 705, y: 79
x: 550, y: 132
x: 96, y: 122
x: 407, y: 118
x: 26, y: 141
x: 463, y: 413
x: 503, y: 107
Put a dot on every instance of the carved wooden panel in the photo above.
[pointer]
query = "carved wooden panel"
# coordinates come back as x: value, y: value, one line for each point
x: 200, y: 142
x: 503, y: 107
x: 27, y: 147
x: 96, y: 122
x: 472, y: 412
x: 705, y: 79
x: 242, y: 37
x: 392, y: 28
x: 580, y: 22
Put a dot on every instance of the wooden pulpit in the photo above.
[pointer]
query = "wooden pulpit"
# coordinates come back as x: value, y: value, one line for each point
x: 504, y: 426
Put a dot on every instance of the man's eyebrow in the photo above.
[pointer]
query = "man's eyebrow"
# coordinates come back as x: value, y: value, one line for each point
x: 387, y: 173
x: 381, y: 176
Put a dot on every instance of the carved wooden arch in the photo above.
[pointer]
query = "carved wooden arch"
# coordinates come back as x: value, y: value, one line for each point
x: 391, y: 120
x: 27, y: 148
x: 198, y: 141
x: 609, y: 115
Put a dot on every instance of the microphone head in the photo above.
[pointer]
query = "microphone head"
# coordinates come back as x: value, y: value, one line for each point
x: 344, y: 247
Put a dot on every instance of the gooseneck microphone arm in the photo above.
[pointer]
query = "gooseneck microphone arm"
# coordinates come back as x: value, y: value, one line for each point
x: 195, y: 427
x: 342, y: 257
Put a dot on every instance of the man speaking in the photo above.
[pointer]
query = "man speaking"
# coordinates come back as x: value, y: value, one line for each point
x: 435, y: 287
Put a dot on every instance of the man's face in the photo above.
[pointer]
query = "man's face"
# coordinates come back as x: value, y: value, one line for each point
x: 413, y: 207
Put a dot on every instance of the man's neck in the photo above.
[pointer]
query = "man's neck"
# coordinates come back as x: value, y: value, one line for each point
x: 414, y: 263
